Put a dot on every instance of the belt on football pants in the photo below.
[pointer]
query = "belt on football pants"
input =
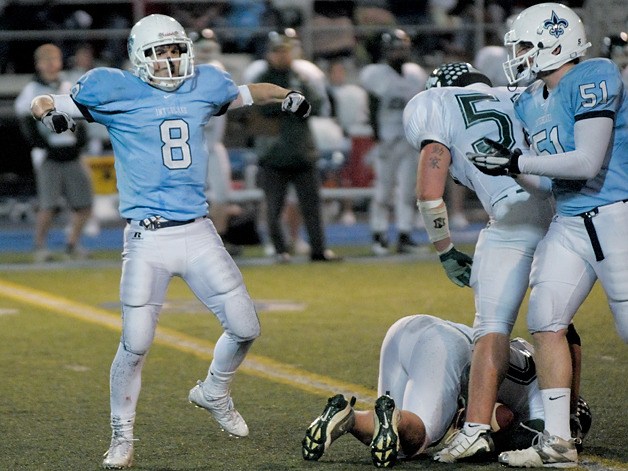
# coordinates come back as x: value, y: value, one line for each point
x: 155, y: 222
x: 588, y: 225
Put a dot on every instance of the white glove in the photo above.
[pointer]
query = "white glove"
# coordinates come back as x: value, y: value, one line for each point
x: 296, y: 103
x: 58, y: 121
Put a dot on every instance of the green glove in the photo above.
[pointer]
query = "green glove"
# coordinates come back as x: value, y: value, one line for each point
x: 457, y: 265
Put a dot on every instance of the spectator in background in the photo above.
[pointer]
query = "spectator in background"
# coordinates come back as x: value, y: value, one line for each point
x: 390, y: 85
x: 287, y: 154
x: 316, y: 79
x: 58, y: 168
x: 350, y: 107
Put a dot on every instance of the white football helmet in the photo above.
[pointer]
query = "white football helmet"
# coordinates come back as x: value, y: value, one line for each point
x: 154, y: 31
x: 555, y: 35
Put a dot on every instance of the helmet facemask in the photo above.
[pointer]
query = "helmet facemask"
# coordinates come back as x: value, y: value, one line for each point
x: 518, y: 67
x: 147, y: 38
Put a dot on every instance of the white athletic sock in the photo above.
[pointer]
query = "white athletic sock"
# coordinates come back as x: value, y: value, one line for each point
x: 217, y: 383
x: 229, y: 353
x: 556, y: 406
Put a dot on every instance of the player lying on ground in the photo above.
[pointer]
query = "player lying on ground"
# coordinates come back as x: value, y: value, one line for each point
x: 424, y: 364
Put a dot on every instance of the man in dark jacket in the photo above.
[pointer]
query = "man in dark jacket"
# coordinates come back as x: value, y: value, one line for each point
x: 287, y: 154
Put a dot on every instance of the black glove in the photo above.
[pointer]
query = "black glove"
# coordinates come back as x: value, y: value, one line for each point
x: 501, y: 161
x: 58, y: 121
x: 296, y: 103
x: 457, y: 265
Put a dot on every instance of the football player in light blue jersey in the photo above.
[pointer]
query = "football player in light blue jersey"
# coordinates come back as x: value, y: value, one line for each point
x: 576, y: 118
x: 156, y: 116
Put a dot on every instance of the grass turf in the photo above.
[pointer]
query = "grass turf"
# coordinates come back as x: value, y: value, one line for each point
x: 54, y: 392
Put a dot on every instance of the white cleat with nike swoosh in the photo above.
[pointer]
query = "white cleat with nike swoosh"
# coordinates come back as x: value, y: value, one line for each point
x: 467, y: 447
x: 547, y: 451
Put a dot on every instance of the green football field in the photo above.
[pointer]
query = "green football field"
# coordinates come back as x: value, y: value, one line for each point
x: 322, y: 326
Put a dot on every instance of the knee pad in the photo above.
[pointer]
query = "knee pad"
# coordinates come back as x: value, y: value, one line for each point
x: 241, y: 317
x: 138, y: 328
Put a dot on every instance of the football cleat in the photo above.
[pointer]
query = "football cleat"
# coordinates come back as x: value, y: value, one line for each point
x: 221, y: 409
x: 380, y: 244
x: 548, y: 451
x: 580, y: 423
x: 336, y: 420
x: 463, y: 446
x: 385, y: 444
x: 120, y: 453
x: 407, y: 246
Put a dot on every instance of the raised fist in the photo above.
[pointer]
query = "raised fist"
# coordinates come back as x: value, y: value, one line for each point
x: 58, y: 121
x: 296, y: 103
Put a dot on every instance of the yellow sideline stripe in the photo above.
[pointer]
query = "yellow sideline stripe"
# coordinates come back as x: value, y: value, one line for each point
x: 254, y: 365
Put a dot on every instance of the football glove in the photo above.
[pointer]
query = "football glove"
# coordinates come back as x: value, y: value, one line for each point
x: 58, y: 121
x: 501, y: 161
x: 457, y: 265
x: 296, y: 103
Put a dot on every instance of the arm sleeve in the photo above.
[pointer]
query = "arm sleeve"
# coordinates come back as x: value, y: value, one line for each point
x: 583, y: 163
x: 66, y: 104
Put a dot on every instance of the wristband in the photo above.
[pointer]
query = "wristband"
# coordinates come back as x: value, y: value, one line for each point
x: 434, y: 213
x: 245, y: 92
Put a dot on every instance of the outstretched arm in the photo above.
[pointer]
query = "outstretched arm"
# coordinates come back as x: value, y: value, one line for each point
x: 266, y: 93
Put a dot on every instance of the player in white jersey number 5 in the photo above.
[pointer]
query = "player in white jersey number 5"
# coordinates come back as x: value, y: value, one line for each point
x: 156, y: 117
x: 577, y: 118
x: 443, y: 123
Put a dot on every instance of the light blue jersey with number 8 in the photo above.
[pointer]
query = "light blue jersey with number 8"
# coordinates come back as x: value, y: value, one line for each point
x: 157, y: 137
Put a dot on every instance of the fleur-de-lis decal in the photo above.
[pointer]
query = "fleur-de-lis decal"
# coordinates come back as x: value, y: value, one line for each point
x: 555, y: 25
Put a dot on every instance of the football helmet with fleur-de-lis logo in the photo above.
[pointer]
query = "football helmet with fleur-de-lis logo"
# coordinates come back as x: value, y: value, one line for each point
x: 543, y: 37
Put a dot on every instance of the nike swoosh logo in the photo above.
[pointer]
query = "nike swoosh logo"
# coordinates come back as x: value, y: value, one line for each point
x: 557, y: 397
x: 473, y: 426
x: 385, y: 423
